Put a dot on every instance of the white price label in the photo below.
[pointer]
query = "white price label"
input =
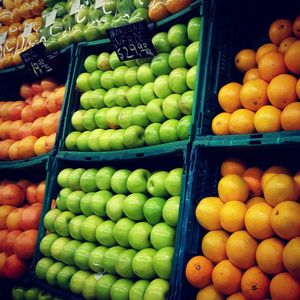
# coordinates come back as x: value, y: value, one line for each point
x: 75, y: 7
x: 99, y: 3
x: 3, y: 36
x: 27, y: 29
x: 50, y: 18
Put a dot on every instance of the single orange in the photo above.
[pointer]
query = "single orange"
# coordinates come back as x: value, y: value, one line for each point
x: 245, y: 60
x: 290, y: 117
x: 242, y: 121
x: 280, y: 30
x: 268, y: 119
x: 292, y: 58
x: 233, y: 165
x: 220, y: 124
x: 291, y: 257
x: 229, y: 97
x: 296, y: 27
x: 251, y: 75
x: 263, y: 49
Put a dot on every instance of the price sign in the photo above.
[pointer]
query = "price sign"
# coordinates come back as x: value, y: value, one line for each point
x: 27, y: 29
x: 50, y: 18
x: 3, y: 36
x: 99, y: 3
x: 132, y: 41
x: 75, y: 7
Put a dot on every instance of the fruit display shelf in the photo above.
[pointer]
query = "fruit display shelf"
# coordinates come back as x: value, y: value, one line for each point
x: 203, y: 178
x: 87, y: 49
x: 165, y: 162
x: 228, y: 34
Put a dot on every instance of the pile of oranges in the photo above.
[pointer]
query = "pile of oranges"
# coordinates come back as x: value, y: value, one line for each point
x: 267, y: 99
x: 252, y: 248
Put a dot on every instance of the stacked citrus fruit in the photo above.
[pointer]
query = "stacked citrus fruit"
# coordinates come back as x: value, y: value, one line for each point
x: 267, y: 99
x: 252, y: 248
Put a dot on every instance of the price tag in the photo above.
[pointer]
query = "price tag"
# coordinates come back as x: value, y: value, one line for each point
x: 3, y: 36
x: 99, y: 3
x: 27, y: 29
x: 132, y: 41
x: 75, y: 7
x: 50, y: 17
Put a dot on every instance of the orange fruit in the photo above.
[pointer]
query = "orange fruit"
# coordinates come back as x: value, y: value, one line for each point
x: 229, y: 97
x: 233, y: 187
x: 291, y: 257
x: 269, y: 256
x: 209, y: 292
x: 271, y: 65
x: 233, y: 165
x: 297, y: 179
x: 214, y: 245
x: 292, y: 57
x: 220, y: 124
x: 296, y: 27
x: 298, y: 88
x: 290, y: 117
x: 255, y: 284
x: 207, y: 213
x: 273, y: 171
x: 236, y: 296
x: 254, y: 200
x: 253, y: 176
x: 282, y: 90
x: 245, y: 60
x: 242, y: 122
x: 241, y: 249
x: 268, y: 119
x: 285, y: 220
x: 286, y: 43
x: 198, y: 271
x: 232, y: 215
x: 280, y: 30
x: 265, y: 48
x: 253, y: 94
x: 279, y: 188
x: 251, y: 75
x: 258, y: 221
x: 283, y: 286
x: 226, y: 278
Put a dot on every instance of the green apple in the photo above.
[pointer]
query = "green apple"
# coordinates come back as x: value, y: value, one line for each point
x: 147, y: 92
x: 137, y: 291
x: 153, y: 209
x: 161, y: 43
x: 17, y: 293
x: 44, y: 296
x: 71, y: 140
x: 105, y: 23
x: 191, y: 77
x: 85, y: 100
x: 124, y: 118
x: 88, y: 228
x: 105, y: 138
x: 177, y: 80
x: 64, y: 277
x: 104, y: 285
x: 94, y: 80
x: 139, y: 236
x: 119, y: 181
x: 161, y: 86
x: 114, y: 207
x: 104, y: 233
x: 193, y: 29
x: 116, y: 140
x: 131, y: 76
x: 119, y: 76
x: 133, y: 206
x: 100, y: 118
x: 85, y: 204
x: 170, y: 107
x: 154, y: 111
x: 61, y: 223
x: 173, y: 182
x: 93, y: 140
x: 76, y: 283
x: 90, y: 63
x: 103, y: 61
x: 77, y: 33
x: 62, y: 178
x: 82, y: 82
x: 99, y: 201
x: 81, y: 257
x: 46, y: 243
x: 49, y: 219
x: 77, y: 120
x: 168, y: 131
x: 74, y: 227
x: 91, y: 31
x: 103, y: 177
x: 142, y: 264
x: 121, y: 96
x: 183, y: 127
x: 68, y: 252
x: 191, y: 54
x: 152, y: 134
x: 96, y: 98
x: 114, y: 61
x: 133, y: 95
x: 140, y: 14
x: 144, y: 74
x: 185, y: 103
x: 139, y: 116
x: 88, y: 180
x: 137, y: 181
x: 73, y: 203
x: 177, y: 58
x: 177, y: 35
x: 171, y: 210
x: 89, y: 287
x: 96, y: 257
x: 124, y: 263
x: 106, y: 80
x: 157, y: 289
x: 134, y: 137
x: 160, y: 64
x: 162, y: 235
x: 121, y: 231
x: 42, y: 266
x: 110, y: 257
x: 120, y: 289
x: 51, y: 275
x: 82, y: 141
x: 156, y: 184
x: 112, y: 117
x: 110, y: 97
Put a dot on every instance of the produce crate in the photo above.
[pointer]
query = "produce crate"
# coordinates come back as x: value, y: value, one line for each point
x: 197, y: 8
x: 159, y: 162
x: 229, y: 33
x: 203, y: 178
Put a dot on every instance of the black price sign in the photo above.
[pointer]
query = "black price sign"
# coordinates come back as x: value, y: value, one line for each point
x: 132, y: 41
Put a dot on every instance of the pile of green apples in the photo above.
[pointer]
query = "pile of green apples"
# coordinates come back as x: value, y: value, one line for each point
x: 112, y: 233
x: 125, y: 105
x: 33, y: 293
x: 89, y: 23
